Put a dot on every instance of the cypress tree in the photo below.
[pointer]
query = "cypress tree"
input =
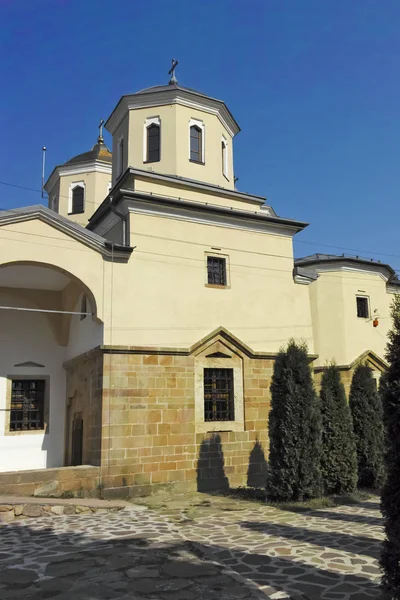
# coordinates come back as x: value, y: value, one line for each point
x: 390, y: 501
x: 294, y: 429
x: 366, y: 409
x: 339, y: 458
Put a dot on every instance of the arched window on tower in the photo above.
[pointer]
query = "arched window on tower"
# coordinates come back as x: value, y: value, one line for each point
x: 120, y: 157
x: 78, y: 200
x: 153, y: 143
x: 196, y: 144
x: 224, y: 157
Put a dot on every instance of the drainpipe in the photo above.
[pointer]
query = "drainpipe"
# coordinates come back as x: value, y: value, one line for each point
x: 123, y: 219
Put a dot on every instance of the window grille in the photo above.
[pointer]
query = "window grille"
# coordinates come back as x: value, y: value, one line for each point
x: 362, y: 307
x: 153, y: 143
x: 218, y: 395
x: 216, y: 270
x: 27, y: 404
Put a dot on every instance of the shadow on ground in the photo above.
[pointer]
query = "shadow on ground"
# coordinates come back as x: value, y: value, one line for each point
x: 139, y: 566
x: 39, y: 564
x: 326, y: 539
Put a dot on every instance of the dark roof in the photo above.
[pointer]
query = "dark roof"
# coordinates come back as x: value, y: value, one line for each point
x: 319, y: 258
x: 172, y: 86
x: 98, y: 152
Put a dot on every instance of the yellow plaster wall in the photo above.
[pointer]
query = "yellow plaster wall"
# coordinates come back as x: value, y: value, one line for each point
x: 170, y: 190
x: 96, y: 189
x: 174, y: 157
x: 161, y: 298
x: 339, y: 333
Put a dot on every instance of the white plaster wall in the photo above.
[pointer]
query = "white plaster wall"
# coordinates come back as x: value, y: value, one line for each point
x: 84, y: 334
x: 25, y: 337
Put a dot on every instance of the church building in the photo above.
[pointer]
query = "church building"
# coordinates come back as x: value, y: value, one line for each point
x: 142, y: 311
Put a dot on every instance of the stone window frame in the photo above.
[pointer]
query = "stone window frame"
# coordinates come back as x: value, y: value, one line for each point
x: 208, y: 361
x: 46, y: 408
x: 217, y: 254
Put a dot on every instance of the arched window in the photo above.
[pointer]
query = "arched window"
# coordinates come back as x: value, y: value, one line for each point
x: 196, y: 144
x: 153, y: 143
x: 224, y: 157
x: 78, y: 200
x: 120, y: 157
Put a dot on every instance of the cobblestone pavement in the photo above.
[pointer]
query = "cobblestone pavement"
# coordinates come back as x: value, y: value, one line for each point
x: 327, y: 554
x: 131, y: 554
x: 192, y: 550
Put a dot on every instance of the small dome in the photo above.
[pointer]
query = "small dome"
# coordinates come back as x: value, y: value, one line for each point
x: 98, y: 152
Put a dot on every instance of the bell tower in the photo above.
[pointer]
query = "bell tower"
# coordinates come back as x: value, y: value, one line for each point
x: 174, y: 130
x: 78, y: 187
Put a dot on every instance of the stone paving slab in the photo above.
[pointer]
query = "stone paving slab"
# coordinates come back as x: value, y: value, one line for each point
x: 91, y: 502
x: 133, y: 553
x: 327, y: 554
x: 209, y: 548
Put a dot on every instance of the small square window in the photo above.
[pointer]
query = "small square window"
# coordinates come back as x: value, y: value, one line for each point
x: 218, y: 395
x: 216, y: 270
x: 362, y: 307
x: 27, y: 404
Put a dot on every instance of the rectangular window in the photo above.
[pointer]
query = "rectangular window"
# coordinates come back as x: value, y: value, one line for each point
x: 218, y: 395
x: 216, y: 270
x: 362, y: 307
x: 27, y: 404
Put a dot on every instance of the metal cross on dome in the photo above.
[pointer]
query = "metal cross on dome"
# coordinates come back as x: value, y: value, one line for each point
x: 171, y: 72
x: 100, y: 138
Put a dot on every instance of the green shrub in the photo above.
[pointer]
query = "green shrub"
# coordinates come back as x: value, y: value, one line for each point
x: 366, y: 408
x: 390, y: 558
x: 339, y: 459
x: 294, y: 429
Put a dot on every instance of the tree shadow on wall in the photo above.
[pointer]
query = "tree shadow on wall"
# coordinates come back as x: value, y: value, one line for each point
x: 258, y: 467
x: 211, y: 466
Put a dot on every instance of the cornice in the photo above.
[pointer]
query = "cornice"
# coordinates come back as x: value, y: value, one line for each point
x: 93, y: 166
x: 173, y: 96
x: 77, y: 232
x: 209, y: 215
x: 215, y: 190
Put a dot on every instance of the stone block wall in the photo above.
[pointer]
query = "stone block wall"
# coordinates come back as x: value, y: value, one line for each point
x: 74, y: 481
x: 149, y: 430
x: 84, y: 396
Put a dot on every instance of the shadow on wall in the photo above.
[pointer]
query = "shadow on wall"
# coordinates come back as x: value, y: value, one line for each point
x: 210, y: 466
x: 258, y: 467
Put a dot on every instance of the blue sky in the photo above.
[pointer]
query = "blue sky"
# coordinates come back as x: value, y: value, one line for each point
x: 314, y: 85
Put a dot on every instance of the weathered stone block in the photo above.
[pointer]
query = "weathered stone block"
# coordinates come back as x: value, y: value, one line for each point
x: 47, y: 489
x: 7, y: 516
x: 57, y: 510
x: 32, y: 510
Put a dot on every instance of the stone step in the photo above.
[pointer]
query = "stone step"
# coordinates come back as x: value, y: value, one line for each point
x: 16, y: 507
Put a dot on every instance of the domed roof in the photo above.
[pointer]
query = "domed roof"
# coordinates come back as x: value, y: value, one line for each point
x: 171, y: 87
x: 98, y: 152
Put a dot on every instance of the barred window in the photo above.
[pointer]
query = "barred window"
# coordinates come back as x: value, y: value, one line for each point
x: 218, y: 395
x: 27, y: 404
x: 153, y: 143
x: 216, y: 270
x: 362, y: 307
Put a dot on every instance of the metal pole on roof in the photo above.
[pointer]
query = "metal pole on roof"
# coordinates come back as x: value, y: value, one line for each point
x: 43, y: 166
